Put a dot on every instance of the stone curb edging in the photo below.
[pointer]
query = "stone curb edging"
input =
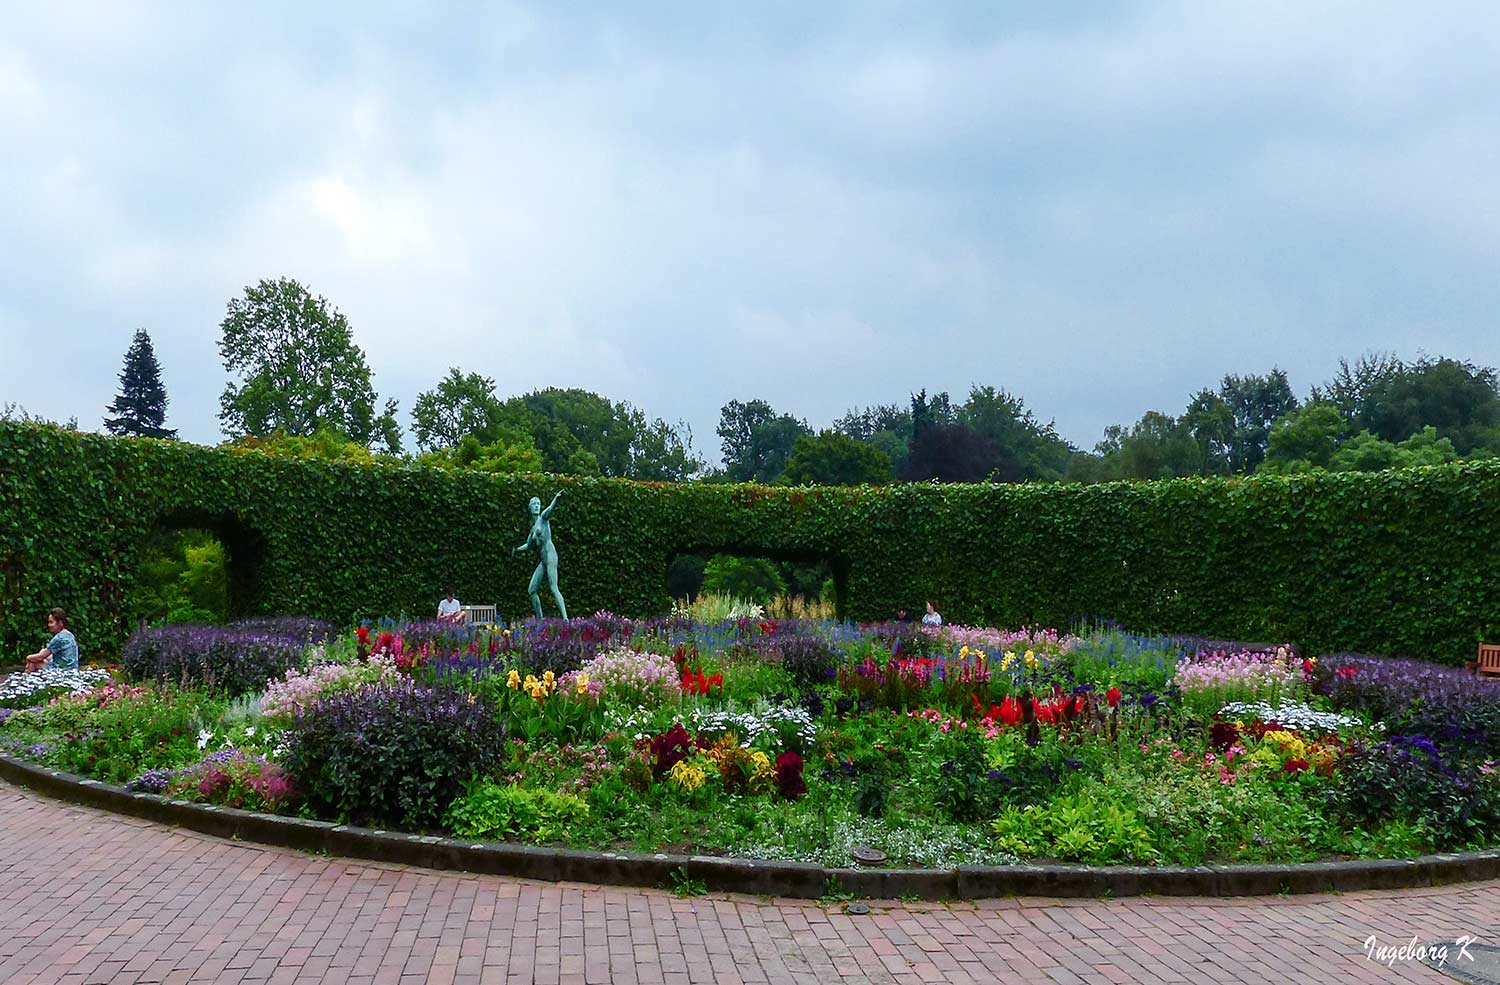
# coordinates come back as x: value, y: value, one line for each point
x: 755, y: 876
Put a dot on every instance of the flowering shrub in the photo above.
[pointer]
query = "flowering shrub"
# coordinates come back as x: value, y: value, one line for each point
x: 1458, y: 711
x: 1045, y: 641
x: 392, y: 754
x: 1294, y: 715
x: 230, y: 778
x: 809, y: 659
x: 631, y: 677
x: 231, y: 659
x: 1409, y: 778
x: 770, y: 727
x: 1211, y: 679
x: 25, y: 690
x: 297, y: 690
x: 119, y: 740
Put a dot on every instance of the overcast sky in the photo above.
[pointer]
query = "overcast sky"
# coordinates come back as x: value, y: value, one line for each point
x: 1099, y: 206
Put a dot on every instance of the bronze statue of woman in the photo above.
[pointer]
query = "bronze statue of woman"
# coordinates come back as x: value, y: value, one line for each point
x: 541, y: 537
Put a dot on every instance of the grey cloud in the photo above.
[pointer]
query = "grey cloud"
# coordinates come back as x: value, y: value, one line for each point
x: 1101, y: 207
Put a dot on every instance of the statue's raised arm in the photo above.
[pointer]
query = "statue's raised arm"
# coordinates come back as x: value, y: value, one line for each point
x: 547, y: 513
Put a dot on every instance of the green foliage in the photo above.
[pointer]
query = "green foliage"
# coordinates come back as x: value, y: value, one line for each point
x: 752, y: 578
x: 1036, y: 449
x: 183, y: 578
x: 1077, y: 828
x: 323, y: 445
x: 140, y: 408
x: 833, y: 459
x: 510, y: 453
x: 684, y: 885
x: 757, y: 441
x: 299, y: 369
x: 582, y: 433
x: 503, y: 812
x: 1373, y: 562
x: 1158, y: 446
x: 1306, y: 438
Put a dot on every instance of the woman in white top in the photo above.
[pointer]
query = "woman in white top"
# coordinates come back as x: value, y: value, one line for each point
x: 449, y: 609
x: 932, y: 618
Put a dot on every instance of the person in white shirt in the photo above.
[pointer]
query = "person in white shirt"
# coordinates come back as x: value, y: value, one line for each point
x: 449, y: 609
x: 932, y: 618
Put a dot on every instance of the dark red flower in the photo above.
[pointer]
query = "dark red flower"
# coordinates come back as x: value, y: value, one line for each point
x: 1113, y: 697
x: 789, y: 781
x: 1294, y: 766
x: 1346, y: 673
x: 1223, y: 735
x: 670, y: 748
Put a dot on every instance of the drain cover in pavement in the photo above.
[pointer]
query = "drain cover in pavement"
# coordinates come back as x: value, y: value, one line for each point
x: 1484, y: 969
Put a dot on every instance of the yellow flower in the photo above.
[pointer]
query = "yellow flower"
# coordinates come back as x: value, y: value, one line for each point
x: 1008, y: 661
x: 513, y: 680
x: 687, y: 777
x: 583, y: 683
x: 963, y: 652
x: 548, y: 678
x: 1032, y: 663
x: 1288, y: 744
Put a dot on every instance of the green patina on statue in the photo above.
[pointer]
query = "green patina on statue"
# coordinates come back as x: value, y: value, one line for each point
x: 540, y: 537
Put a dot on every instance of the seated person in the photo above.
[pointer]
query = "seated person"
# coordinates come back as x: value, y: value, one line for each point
x: 61, y: 652
x: 932, y: 618
x: 449, y: 609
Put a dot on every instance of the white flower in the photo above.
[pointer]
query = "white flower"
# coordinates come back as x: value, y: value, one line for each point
x: 1296, y: 716
x: 203, y: 738
x: 250, y: 732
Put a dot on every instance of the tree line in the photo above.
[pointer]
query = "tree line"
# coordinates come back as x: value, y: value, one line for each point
x: 300, y: 385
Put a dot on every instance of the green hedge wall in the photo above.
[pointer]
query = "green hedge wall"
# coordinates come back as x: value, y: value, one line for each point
x: 1395, y: 562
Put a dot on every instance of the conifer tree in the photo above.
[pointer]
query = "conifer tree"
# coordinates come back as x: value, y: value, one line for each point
x: 140, y: 409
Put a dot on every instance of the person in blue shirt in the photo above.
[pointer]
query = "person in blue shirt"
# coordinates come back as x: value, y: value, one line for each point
x: 61, y: 652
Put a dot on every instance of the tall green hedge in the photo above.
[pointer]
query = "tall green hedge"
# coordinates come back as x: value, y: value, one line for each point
x: 1395, y: 562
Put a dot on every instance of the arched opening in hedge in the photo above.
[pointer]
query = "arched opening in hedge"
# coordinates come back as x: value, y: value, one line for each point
x: 198, y: 566
x: 794, y: 580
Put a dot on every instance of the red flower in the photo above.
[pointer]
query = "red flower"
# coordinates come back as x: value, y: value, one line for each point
x: 1307, y: 666
x: 362, y: 634
x: 789, y: 782
x: 1294, y: 766
x: 1346, y: 673
x: 1113, y: 697
x: 1010, y: 710
x: 694, y: 682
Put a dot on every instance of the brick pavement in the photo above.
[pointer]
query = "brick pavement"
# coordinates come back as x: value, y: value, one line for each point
x: 86, y: 896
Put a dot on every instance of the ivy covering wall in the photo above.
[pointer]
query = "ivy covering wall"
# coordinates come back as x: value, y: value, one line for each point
x: 1403, y: 562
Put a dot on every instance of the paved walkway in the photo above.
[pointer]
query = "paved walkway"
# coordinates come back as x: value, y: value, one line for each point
x: 86, y: 896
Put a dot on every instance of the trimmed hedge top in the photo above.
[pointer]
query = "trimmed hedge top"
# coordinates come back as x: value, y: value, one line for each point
x: 1404, y: 562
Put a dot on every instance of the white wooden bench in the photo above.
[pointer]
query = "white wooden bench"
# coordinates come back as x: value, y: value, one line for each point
x: 475, y: 614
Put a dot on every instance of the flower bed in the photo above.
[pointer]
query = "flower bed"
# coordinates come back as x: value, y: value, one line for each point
x: 801, y: 740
